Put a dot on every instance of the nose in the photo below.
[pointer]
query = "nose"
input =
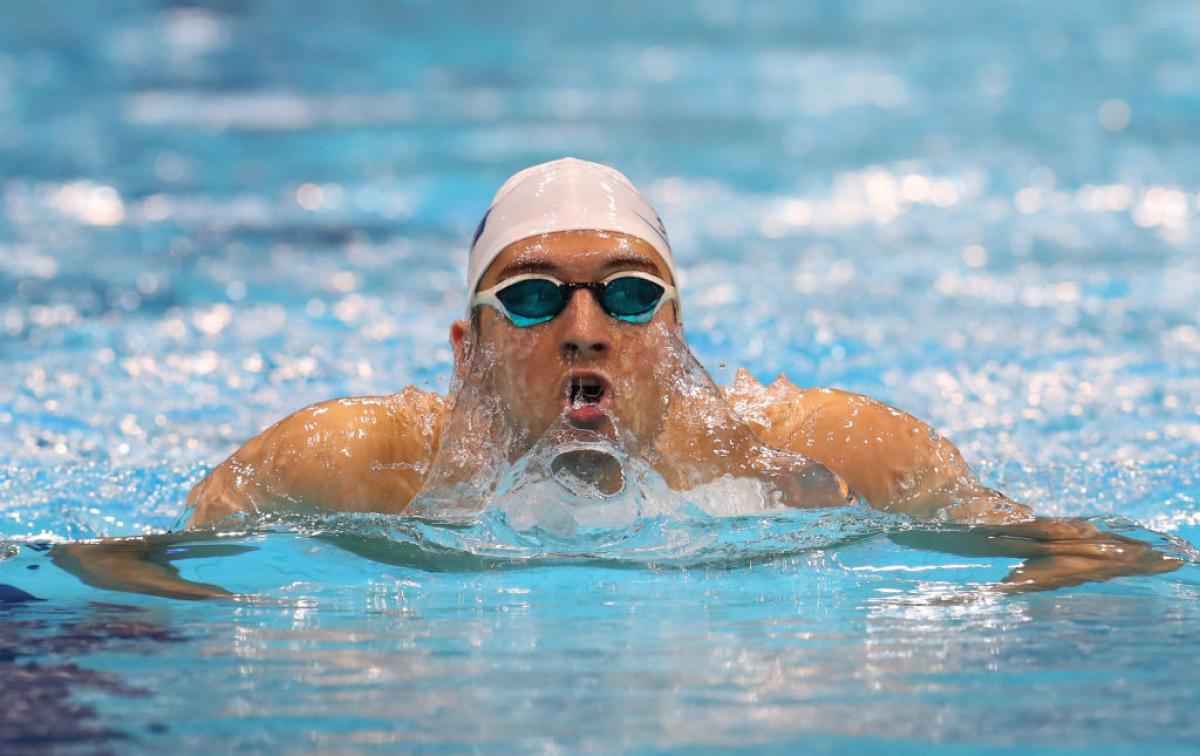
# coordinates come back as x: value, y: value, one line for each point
x: 585, y: 328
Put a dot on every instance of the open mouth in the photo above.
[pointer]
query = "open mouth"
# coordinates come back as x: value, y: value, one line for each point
x: 586, y: 398
x: 586, y: 389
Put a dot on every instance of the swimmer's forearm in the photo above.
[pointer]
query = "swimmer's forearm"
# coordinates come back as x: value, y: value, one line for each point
x: 129, y: 565
x: 1070, y: 552
x: 1051, y: 573
x: 1057, y: 553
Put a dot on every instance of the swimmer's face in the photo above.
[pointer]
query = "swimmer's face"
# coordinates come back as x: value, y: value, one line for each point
x: 583, y: 362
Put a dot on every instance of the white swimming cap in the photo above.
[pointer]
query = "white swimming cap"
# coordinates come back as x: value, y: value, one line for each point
x: 564, y: 195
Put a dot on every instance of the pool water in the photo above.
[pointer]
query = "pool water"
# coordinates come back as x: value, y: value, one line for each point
x: 212, y: 215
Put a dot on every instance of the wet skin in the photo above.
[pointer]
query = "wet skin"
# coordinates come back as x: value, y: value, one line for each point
x: 533, y: 365
x: 373, y: 454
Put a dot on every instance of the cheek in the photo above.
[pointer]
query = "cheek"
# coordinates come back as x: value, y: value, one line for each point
x: 641, y: 372
x: 527, y: 368
x: 641, y: 356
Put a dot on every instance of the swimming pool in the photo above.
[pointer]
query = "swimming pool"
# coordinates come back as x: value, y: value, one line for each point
x: 986, y: 216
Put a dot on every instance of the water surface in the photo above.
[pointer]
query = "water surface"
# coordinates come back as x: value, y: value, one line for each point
x: 214, y: 215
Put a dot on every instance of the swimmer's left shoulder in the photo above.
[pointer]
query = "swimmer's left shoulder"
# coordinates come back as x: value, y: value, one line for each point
x: 798, y: 418
x: 782, y: 401
x: 778, y: 409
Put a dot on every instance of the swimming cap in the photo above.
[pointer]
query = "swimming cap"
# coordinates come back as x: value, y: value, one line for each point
x: 563, y: 195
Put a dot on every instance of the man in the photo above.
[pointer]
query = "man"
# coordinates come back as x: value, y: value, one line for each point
x: 573, y: 321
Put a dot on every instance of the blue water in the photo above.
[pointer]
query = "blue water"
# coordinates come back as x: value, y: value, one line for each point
x: 986, y: 214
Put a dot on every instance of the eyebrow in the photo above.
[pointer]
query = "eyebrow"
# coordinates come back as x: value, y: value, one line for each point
x: 635, y: 262
x: 626, y: 262
x: 527, y: 266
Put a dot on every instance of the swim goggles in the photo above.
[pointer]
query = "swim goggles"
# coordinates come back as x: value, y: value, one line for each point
x: 526, y: 300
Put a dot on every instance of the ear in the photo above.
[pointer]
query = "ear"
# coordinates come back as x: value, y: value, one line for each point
x: 460, y: 342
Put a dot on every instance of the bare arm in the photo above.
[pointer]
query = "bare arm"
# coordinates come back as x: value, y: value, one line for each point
x: 899, y: 464
x: 142, y: 564
x: 1058, y: 553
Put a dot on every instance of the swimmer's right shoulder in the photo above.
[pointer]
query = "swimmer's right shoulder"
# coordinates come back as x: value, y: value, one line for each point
x: 395, y: 429
x: 362, y: 454
x: 411, y: 412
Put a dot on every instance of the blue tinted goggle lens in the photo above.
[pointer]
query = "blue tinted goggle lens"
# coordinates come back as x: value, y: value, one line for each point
x: 532, y: 301
x: 537, y: 300
x: 630, y: 298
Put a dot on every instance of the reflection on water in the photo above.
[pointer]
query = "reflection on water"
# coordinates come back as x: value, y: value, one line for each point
x: 40, y: 705
x: 800, y: 625
x: 718, y: 658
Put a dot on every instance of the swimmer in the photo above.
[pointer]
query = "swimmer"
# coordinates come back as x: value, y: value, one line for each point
x: 573, y: 320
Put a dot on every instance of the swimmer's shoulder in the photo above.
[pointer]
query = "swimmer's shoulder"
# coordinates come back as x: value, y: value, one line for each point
x: 409, y: 415
x: 781, y: 410
x: 394, y: 429
x: 364, y: 454
x: 892, y: 459
x: 373, y: 450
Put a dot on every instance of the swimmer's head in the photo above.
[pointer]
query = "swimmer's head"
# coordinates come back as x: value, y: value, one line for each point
x: 582, y: 354
x: 563, y: 195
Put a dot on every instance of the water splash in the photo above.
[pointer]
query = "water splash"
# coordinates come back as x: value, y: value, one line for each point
x: 661, y: 439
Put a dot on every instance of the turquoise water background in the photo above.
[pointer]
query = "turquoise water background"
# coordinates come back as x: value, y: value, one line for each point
x: 987, y: 214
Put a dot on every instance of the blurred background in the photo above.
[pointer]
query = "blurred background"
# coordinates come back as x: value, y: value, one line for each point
x: 985, y: 213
